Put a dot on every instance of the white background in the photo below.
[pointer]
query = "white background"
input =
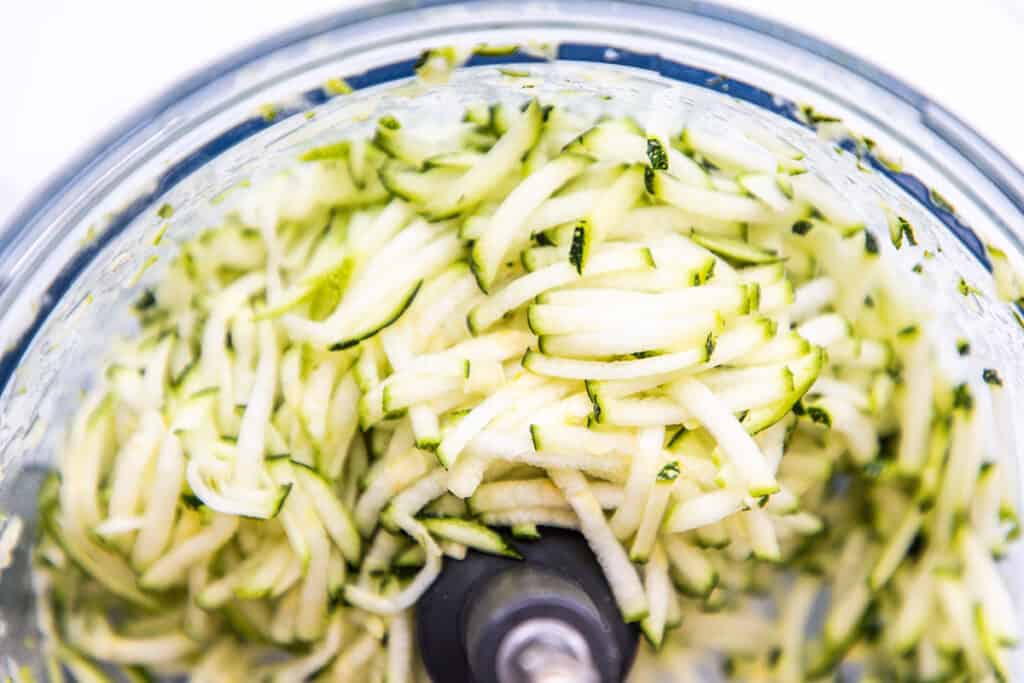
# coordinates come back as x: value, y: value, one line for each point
x: 105, y: 58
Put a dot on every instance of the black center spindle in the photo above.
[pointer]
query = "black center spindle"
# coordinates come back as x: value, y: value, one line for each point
x: 549, y: 618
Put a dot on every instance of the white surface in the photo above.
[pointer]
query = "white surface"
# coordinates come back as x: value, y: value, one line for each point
x: 108, y: 57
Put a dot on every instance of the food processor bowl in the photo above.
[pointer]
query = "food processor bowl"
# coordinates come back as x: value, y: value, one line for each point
x: 105, y: 228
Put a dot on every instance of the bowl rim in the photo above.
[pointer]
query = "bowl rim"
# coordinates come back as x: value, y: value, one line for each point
x: 1004, y: 178
x: 1002, y: 171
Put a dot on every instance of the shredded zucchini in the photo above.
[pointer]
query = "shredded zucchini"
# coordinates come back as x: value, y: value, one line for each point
x: 674, y: 340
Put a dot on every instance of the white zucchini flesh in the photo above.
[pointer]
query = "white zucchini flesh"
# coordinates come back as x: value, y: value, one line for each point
x: 511, y: 494
x: 722, y: 183
x: 563, y: 208
x: 223, y: 661
x: 553, y: 319
x: 598, y: 390
x: 649, y: 279
x: 342, y: 423
x: 405, y: 598
x: 772, y: 442
x: 740, y: 337
x: 761, y: 533
x: 496, y: 163
x: 492, y: 347
x: 843, y: 391
x: 171, y: 567
x: 651, y: 521
x: 300, y: 669
x: 383, y: 549
x: 693, y: 573
x: 913, y: 616
x: 728, y: 379
x: 861, y: 353
x: 311, y: 612
x: 130, y: 466
x: 956, y: 605
x: 734, y: 441
x: 401, y: 391
x: 732, y: 633
x: 609, y: 211
x: 522, y: 290
x: 826, y: 199
x: 445, y: 296
x: 354, y: 659
x: 205, y: 474
x: 676, y: 252
x: 703, y: 510
x: 851, y: 558
x: 622, y: 577
x: 296, y: 382
x: 109, y: 569
x: 470, y: 534
x: 539, y: 516
x: 824, y: 330
x: 646, y: 337
x: 94, y: 635
x: 410, y: 501
x: 509, y: 220
x: 553, y: 437
x: 336, y: 519
x: 987, y: 586
x: 856, y: 427
x: 400, y: 648
x: 316, y: 401
x: 775, y: 298
x: 254, y: 577
x: 614, y: 141
x: 366, y: 370
x: 686, y: 169
x: 643, y: 472
x: 729, y: 148
x: 765, y: 187
x: 965, y: 455
x: 895, y: 549
x: 772, y: 141
x: 549, y: 396
x: 706, y: 297
x: 490, y: 446
x: 158, y: 517
x: 811, y: 297
x: 452, y: 444
x: 659, y: 593
x: 795, y: 615
x: 786, y: 346
x: 844, y: 615
x: 568, y: 368
x: 116, y: 526
x: 639, y: 412
x: 369, y: 308
x: 648, y: 221
x: 717, y: 205
x: 395, y: 475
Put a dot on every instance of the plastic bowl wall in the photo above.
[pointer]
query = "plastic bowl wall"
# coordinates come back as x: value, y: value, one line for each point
x: 68, y: 263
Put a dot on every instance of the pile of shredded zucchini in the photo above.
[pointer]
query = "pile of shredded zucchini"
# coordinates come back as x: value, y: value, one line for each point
x: 678, y: 341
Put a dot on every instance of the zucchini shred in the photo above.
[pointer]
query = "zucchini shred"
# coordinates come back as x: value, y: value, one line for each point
x: 436, y: 340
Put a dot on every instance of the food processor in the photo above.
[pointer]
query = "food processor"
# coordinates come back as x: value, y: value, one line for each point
x: 90, y: 242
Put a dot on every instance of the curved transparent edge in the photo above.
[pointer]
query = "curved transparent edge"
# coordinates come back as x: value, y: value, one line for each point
x: 924, y: 206
x: 107, y: 149
x: 109, y: 144
x: 947, y: 126
x: 976, y: 149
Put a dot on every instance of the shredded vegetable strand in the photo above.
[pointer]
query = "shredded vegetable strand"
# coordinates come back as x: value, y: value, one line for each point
x: 679, y: 341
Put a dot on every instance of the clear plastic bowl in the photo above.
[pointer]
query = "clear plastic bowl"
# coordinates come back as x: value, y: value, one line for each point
x: 68, y: 262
